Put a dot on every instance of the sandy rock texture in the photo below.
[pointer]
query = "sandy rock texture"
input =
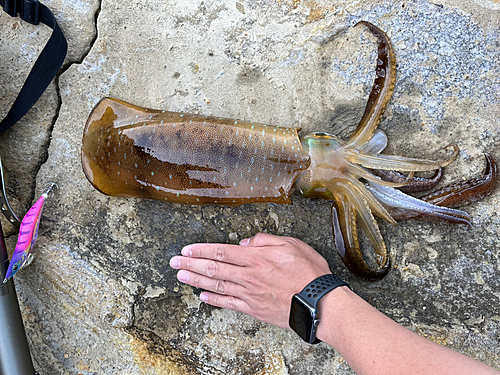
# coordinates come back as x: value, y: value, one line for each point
x: 100, y: 297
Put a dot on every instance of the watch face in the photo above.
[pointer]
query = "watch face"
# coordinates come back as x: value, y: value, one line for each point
x: 301, y: 318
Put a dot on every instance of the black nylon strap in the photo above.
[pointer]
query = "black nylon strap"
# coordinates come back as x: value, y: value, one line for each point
x: 46, y: 66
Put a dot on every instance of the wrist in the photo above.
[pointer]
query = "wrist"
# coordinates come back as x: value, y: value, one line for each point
x: 331, y: 309
x: 304, y: 313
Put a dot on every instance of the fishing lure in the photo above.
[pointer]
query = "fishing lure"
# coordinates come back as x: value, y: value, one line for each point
x: 130, y: 151
x: 28, y: 234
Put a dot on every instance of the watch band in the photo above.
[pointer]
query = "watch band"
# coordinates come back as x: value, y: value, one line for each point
x: 317, y: 288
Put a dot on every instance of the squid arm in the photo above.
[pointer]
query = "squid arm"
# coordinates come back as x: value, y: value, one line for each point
x: 344, y: 219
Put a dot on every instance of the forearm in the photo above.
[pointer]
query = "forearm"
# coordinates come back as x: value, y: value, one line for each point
x: 374, y: 344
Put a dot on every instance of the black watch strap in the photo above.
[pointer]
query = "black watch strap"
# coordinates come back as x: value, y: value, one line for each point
x: 317, y: 288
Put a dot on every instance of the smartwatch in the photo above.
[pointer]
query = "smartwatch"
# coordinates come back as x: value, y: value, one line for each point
x: 304, y: 313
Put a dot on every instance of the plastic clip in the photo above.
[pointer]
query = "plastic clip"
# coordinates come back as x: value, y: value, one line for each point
x: 29, y: 10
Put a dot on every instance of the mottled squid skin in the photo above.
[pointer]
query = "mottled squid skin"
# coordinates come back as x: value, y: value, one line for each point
x: 129, y: 151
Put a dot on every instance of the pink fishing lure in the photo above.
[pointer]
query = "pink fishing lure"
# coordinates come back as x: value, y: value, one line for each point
x: 28, y: 233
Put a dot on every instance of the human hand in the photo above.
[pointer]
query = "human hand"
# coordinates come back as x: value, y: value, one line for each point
x: 257, y: 277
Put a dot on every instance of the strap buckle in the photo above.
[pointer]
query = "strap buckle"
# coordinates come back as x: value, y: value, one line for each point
x: 29, y: 10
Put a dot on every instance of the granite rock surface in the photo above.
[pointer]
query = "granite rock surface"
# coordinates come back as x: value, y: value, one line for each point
x: 100, y: 297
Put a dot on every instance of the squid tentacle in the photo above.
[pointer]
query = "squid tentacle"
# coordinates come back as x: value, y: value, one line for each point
x: 366, y: 219
x: 382, y: 89
x: 405, y: 207
x: 346, y: 241
x: 415, y: 185
x: 361, y: 194
x: 466, y: 192
x: 363, y: 173
x: 398, y: 163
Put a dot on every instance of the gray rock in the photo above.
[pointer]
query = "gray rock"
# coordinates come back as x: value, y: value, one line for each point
x: 24, y: 146
x: 100, y: 297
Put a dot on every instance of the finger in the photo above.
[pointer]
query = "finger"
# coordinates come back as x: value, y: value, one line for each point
x: 207, y: 283
x: 263, y: 239
x: 207, y: 267
x: 226, y: 302
x: 232, y: 254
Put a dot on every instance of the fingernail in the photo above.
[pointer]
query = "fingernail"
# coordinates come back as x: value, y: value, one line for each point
x: 175, y: 263
x: 204, y: 297
x: 187, y: 252
x: 245, y: 242
x: 183, y: 276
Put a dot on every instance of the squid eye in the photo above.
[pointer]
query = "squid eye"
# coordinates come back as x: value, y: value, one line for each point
x: 322, y: 135
x: 16, y: 266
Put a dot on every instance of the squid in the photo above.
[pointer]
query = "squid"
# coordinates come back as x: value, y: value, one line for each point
x: 130, y: 151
